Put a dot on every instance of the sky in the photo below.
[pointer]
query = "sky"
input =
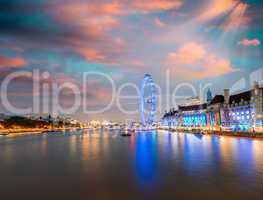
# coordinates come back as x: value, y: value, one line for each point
x: 193, y: 41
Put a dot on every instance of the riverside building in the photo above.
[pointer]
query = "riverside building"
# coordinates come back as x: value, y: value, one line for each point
x: 238, y: 112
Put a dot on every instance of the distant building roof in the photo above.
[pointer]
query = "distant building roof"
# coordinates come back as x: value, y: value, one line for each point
x: 217, y: 99
x: 191, y: 101
x: 237, y: 98
x: 193, y: 107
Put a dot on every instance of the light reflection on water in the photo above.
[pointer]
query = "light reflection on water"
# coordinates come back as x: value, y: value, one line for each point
x: 146, y: 156
x: 104, y: 165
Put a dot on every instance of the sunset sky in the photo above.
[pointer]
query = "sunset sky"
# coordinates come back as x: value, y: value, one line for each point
x: 198, y: 41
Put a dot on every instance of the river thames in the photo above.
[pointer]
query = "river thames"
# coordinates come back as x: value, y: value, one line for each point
x: 153, y: 165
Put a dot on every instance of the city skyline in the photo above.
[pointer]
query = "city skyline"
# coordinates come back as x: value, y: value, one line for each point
x: 210, y: 41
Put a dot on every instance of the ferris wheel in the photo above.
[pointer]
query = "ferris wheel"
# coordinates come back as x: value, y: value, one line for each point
x: 148, y: 101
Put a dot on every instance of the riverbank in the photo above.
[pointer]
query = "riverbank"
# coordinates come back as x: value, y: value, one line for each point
x: 15, y: 132
x: 221, y: 133
x: 238, y: 134
x: 6, y: 132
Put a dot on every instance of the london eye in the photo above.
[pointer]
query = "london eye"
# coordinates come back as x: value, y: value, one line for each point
x: 148, y: 101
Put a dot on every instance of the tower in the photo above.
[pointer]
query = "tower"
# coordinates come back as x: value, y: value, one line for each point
x: 226, y: 96
x: 209, y: 96
x: 257, y: 94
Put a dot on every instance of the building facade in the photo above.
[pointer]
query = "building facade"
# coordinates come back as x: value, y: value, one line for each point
x: 238, y: 112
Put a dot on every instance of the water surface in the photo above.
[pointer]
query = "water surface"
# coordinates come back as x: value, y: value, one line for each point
x: 153, y: 165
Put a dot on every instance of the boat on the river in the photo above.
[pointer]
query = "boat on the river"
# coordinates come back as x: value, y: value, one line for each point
x: 127, y: 133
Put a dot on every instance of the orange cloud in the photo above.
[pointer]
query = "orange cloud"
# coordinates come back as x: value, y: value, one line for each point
x: 216, y: 8
x: 90, y: 54
x: 90, y: 25
x: 91, y: 19
x: 248, y: 42
x: 192, y: 61
x: 214, y: 66
x: 85, y: 9
x: 237, y: 18
x: 188, y: 54
x: 116, y: 8
x: 106, y: 8
x: 94, y: 21
x: 8, y: 62
x: 156, y: 5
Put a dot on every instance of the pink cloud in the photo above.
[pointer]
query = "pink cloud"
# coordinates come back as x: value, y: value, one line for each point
x: 237, y: 18
x: 216, y: 8
x: 86, y: 9
x: 95, y: 21
x: 15, y: 62
x: 88, y: 25
x: 92, y: 20
x: 98, y: 17
x: 156, y: 5
x: 214, y: 66
x: 91, y: 54
x: 192, y: 61
x: 248, y: 42
x: 108, y: 50
x: 119, y: 7
x: 188, y: 54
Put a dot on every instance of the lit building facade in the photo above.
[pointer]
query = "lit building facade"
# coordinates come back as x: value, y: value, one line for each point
x: 193, y: 116
x: 243, y: 111
x: 238, y: 112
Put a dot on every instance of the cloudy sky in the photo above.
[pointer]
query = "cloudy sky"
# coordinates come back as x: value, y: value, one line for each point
x: 196, y: 41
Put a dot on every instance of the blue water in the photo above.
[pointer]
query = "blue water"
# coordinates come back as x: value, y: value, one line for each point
x: 154, y: 165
